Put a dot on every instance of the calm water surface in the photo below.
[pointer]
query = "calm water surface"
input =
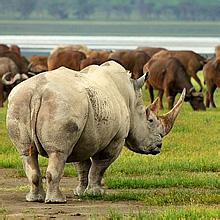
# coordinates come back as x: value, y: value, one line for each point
x: 42, y: 45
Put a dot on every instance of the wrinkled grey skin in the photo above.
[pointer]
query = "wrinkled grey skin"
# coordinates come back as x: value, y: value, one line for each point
x: 85, y: 118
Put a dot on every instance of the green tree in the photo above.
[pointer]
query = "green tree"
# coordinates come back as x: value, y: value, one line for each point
x: 84, y: 9
x: 58, y: 9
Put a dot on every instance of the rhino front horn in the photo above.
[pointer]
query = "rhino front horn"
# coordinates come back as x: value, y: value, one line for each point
x: 169, y: 118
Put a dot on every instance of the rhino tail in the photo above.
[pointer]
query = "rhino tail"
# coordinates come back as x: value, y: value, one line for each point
x: 34, y: 109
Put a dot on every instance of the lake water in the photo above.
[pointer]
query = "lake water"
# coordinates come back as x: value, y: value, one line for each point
x: 41, y: 45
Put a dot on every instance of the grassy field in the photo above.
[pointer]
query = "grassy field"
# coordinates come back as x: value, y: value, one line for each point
x: 123, y: 28
x: 183, y: 181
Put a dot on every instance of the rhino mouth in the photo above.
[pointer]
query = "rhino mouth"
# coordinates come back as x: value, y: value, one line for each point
x: 144, y: 150
x: 153, y: 151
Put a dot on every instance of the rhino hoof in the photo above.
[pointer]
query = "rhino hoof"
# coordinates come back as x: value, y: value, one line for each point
x: 31, y: 197
x: 96, y: 191
x: 79, y: 191
x: 56, y: 198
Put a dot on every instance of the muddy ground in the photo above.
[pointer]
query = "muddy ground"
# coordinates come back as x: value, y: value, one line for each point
x: 13, y: 205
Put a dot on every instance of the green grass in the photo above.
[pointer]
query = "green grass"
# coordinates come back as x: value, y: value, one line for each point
x: 160, y: 197
x: 185, y: 173
x: 188, y: 213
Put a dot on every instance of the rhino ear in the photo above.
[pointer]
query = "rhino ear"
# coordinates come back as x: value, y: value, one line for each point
x: 138, y: 83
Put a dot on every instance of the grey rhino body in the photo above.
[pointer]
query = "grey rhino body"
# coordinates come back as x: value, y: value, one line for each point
x: 82, y: 117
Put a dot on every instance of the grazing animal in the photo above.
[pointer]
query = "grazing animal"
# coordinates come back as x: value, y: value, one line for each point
x: 21, y: 61
x: 76, y: 47
x: 4, y: 48
x: 6, y: 65
x: 91, y: 61
x: 95, y: 57
x: 132, y: 60
x: 150, y: 51
x: 11, y: 79
x: 82, y: 117
x: 103, y: 54
x: 191, y: 61
x: 168, y: 75
x: 14, y: 48
x: 65, y: 57
x: 217, y: 51
x: 211, y: 73
x: 38, y: 64
x: 10, y: 62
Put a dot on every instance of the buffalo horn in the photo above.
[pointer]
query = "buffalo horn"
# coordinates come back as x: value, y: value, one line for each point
x: 10, y: 82
x: 24, y: 76
x: 197, y: 94
x: 29, y: 66
x: 31, y: 73
x: 169, y: 118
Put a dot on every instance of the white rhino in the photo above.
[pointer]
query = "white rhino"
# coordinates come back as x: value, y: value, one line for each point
x: 82, y: 117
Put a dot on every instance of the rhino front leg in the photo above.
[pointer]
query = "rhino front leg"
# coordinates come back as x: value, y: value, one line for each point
x: 53, y: 175
x: 83, y: 172
x: 31, y: 167
x: 100, y: 162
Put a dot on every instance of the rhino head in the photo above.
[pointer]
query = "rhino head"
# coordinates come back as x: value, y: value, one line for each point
x: 147, y: 128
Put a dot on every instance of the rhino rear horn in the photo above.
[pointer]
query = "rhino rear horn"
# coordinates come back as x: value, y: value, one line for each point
x: 168, y: 119
x: 154, y: 106
x: 138, y: 83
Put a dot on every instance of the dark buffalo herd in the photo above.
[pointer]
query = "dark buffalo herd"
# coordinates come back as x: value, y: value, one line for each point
x: 169, y: 71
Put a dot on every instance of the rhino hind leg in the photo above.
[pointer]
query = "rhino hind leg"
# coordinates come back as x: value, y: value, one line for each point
x: 31, y: 167
x: 54, y: 173
x: 100, y: 162
x: 83, y: 172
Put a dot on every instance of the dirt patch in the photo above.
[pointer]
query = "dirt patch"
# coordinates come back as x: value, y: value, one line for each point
x: 13, y: 205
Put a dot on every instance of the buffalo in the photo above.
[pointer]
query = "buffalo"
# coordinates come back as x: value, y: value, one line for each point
x: 132, y: 60
x: 211, y: 73
x: 168, y: 75
x: 65, y: 57
x: 192, y: 62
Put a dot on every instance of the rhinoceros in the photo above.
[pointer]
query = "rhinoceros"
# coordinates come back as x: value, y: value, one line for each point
x: 82, y: 117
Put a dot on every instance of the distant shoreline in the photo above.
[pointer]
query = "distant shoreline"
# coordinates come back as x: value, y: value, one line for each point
x: 111, y: 28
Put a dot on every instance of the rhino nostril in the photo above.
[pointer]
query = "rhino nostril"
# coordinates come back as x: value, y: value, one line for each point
x: 159, y: 145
